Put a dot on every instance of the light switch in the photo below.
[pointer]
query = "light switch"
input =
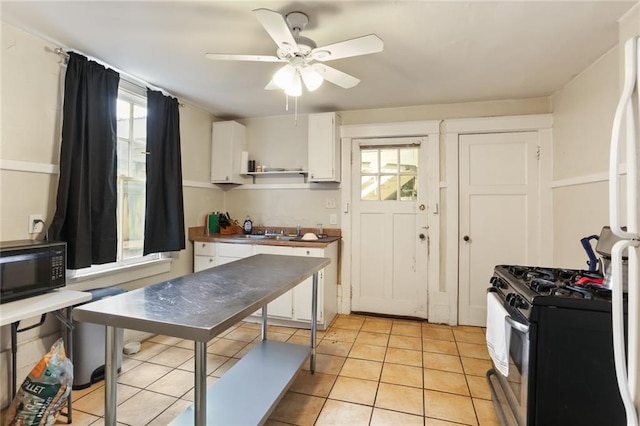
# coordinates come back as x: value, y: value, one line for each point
x: 330, y: 203
x: 333, y: 219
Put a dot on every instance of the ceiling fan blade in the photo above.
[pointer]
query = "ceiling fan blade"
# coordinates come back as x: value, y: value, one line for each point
x: 356, y: 46
x: 226, y: 57
x: 336, y: 77
x: 276, y: 25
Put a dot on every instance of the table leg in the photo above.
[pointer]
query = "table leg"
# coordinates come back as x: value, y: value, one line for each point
x: 314, y: 320
x: 110, y: 376
x: 264, y: 322
x: 200, y: 402
x: 14, y: 353
x: 69, y: 333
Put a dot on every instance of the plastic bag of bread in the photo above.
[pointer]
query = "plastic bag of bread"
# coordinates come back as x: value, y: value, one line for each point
x: 44, y: 391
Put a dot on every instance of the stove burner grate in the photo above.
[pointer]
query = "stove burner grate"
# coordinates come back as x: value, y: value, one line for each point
x: 560, y: 282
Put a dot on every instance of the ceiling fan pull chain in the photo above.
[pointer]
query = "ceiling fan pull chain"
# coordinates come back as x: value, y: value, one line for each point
x: 286, y: 102
x: 296, y: 112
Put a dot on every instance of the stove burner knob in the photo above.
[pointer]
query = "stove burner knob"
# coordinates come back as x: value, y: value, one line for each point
x: 521, y: 303
x: 497, y: 282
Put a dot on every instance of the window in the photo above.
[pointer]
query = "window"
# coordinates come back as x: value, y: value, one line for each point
x: 131, y: 181
x: 389, y: 173
x: 132, y: 140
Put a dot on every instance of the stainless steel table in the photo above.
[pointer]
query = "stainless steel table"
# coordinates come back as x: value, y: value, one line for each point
x: 200, y: 306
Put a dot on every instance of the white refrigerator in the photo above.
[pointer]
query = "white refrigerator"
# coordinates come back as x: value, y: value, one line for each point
x: 624, y: 218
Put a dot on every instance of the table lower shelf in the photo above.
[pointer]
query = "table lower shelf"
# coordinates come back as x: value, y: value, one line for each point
x: 249, y: 391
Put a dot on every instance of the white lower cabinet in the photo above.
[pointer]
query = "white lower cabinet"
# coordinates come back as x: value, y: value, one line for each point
x: 282, y: 307
x: 294, y: 307
x: 304, y: 290
x: 300, y: 296
x: 228, y: 252
x: 204, y: 256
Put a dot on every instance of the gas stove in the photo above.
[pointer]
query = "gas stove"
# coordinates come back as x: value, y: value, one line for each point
x: 523, y: 287
x: 555, y: 315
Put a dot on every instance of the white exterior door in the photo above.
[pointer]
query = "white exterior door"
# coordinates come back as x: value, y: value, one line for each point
x: 390, y: 235
x: 499, y: 220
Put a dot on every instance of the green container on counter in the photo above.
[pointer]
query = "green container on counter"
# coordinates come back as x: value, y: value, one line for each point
x: 214, y: 226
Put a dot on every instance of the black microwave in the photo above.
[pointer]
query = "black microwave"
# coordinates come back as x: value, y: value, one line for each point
x: 29, y: 268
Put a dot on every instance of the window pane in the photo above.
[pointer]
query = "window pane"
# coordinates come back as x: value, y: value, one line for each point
x: 388, y: 160
x: 389, y: 187
x: 369, y: 188
x: 408, y: 188
x: 138, y: 160
x: 369, y: 161
x: 140, y: 123
x: 123, y: 115
x: 133, y: 199
x: 123, y: 157
x: 409, y: 160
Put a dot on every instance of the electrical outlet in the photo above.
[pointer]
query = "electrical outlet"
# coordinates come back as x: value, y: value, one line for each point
x: 35, y: 227
x: 333, y: 219
x: 330, y: 203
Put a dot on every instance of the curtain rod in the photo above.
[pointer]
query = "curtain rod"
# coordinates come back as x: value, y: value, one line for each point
x: 128, y: 77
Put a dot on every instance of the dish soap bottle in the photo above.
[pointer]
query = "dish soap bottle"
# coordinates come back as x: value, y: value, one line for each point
x: 248, y: 225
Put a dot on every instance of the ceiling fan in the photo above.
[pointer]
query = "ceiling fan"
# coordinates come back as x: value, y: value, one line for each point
x: 302, y: 56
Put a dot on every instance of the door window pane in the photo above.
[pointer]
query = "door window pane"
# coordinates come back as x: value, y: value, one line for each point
x: 409, y: 160
x: 389, y: 188
x: 369, y: 161
x: 369, y: 188
x: 388, y: 160
x: 408, y: 188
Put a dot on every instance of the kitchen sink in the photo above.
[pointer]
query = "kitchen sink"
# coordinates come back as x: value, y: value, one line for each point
x: 250, y: 237
x: 281, y: 237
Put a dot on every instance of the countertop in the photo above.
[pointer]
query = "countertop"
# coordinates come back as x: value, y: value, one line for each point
x: 199, y: 306
x: 197, y: 234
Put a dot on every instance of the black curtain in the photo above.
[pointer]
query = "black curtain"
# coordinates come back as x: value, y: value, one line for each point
x: 87, y: 192
x: 164, y: 215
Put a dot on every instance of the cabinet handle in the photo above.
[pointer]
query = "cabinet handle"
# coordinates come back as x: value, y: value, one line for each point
x: 204, y: 245
x: 210, y: 260
x: 308, y: 252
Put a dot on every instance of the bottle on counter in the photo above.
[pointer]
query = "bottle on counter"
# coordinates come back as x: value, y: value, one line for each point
x: 248, y: 225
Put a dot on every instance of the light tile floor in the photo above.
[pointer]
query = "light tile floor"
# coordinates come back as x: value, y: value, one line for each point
x: 370, y: 371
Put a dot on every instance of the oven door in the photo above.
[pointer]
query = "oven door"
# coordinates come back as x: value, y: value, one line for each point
x: 510, y: 393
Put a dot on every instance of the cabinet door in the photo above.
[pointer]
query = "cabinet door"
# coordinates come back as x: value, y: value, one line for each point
x: 201, y: 263
x: 204, y: 248
x: 324, y: 148
x: 282, y: 307
x: 303, y: 291
x: 228, y: 140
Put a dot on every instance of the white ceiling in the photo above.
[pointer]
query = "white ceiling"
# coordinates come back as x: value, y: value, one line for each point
x: 434, y: 52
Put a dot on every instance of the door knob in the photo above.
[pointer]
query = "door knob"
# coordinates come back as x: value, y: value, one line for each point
x: 422, y: 236
x: 466, y: 238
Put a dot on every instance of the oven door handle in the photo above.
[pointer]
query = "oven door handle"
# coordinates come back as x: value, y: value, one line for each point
x: 517, y: 325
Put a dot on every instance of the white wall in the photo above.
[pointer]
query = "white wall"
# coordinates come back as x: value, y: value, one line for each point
x: 582, y: 115
x: 287, y: 201
x: 29, y: 147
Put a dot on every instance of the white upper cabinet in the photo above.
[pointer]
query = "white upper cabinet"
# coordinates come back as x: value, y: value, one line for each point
x: 324, y: 147
x: 228, y: 140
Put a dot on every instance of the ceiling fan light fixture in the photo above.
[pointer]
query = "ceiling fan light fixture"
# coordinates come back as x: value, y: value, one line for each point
x: 295, y: 87
x: 284, y: 77
x: 312, y: 78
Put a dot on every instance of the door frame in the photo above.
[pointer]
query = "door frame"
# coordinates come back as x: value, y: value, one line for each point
x: 542, y: 124
x: 430, y: 130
